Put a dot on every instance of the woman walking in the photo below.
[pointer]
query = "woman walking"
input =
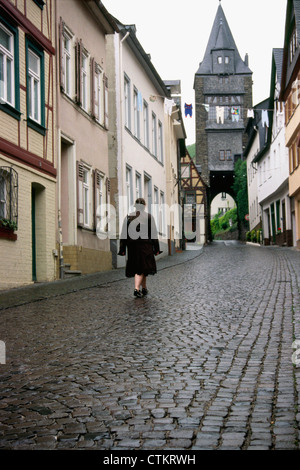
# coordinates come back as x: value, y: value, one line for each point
x: 139, y: 237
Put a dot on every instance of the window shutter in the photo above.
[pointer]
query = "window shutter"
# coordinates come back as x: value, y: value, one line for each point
x: 105, y: 82
x: 107, y: 186
x: 79, y: 168
x: 78, y: 72
x: 61, y: 55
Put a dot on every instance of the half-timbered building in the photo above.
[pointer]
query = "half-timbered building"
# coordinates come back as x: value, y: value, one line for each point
x: 27, y: 141
x: 194, y: 201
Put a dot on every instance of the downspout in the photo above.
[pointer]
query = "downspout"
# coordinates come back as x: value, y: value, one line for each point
x: 59, y: 221
x: 120, y: 150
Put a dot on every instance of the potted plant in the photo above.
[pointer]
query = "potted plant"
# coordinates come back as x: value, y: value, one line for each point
x: 7, y: 229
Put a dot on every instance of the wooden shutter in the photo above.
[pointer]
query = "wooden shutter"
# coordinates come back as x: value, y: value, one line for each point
x: 105, y: 83
x: 79, y: 168
x: 62, y: 72
x: 93, y: 87
x: 78, y: 56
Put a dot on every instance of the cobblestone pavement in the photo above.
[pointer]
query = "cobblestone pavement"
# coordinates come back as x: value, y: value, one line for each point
x: 203, y: 362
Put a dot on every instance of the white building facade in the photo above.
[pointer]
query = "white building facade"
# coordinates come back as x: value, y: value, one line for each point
x: 137, y: 152
x: 273, y: 168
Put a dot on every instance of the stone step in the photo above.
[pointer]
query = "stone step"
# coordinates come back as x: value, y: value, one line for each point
x: 71, y: 273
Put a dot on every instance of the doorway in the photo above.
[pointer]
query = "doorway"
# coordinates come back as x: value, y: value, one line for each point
x: 38, y: 232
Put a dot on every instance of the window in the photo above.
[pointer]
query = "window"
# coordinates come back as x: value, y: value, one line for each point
x: 293, y: 44
x: 156, y: 207
x: 129, y: 189
x: 84, y: 81
x: 294, y: 154
x: 220, y: 60
x: 146, y: 125
x: 185, y: 171
x: 154, y: 135
x: 228, y: 155
x: 162, y: 215
x: 84, y: 194
x: 99, y: 201
x: 127, y: 101
x: 7, y: 81
x: 67, y: 59
x: 9, y: 64
x: 222, y: 155
x: 226, y: 60
x: 138, y: 186
x: 83, y: 77
x: 9, y: 196
x: 98, y: 105
x: 160, y: 142
x: 137, y: 107
x: 67, y: 63
x: 35, y: 88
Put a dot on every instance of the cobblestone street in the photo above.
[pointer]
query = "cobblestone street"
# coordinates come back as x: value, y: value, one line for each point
x: 203, y: 362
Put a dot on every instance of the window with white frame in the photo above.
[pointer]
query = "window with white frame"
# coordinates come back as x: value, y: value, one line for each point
x: 67, y: 50
x: 156, y: 207
x: 293, y: 44
x: 100, y: 200
x: 34, y: 89
x: 160, y: 142
x: 7, y: 66
x: 154, y: 134
x: 136, y: 110
x: 146, y: 124
x: 162, y: 215
x: 138, y: 186
x: 99, y: 108
x: 127, y: 101
x: 129, y: 188
x: 86, y: 196
x: 67, y: 62
x: 84, y: 80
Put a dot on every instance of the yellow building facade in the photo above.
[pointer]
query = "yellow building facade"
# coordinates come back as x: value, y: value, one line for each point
x: 27, y: 142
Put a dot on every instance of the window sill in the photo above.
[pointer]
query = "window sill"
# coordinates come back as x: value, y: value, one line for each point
x: 36, y: 126
x: 40, y: 3
x: 7, y: 108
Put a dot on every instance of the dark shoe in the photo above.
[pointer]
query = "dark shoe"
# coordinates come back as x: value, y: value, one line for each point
x: 137, y: 293
x: 144, y: 291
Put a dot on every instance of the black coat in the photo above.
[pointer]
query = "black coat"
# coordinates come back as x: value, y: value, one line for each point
x: 139, y: 237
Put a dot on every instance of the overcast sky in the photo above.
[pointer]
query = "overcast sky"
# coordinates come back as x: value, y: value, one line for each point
x: 175, y: 33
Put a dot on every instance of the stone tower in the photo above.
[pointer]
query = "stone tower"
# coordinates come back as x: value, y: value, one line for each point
x: 223, y: 95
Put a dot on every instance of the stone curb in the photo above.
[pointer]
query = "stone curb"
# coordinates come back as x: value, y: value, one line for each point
x: 34, y: 292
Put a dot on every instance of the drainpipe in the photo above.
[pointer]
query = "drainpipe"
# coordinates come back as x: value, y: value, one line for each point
x: 59, y: 221
x: 120, y: 149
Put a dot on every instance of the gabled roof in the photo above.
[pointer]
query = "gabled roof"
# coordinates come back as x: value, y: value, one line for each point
x: 255, y: 127
x: 221, y: 39
x: 278, y: 58
x: 129, y: 31
x: 290, y: 70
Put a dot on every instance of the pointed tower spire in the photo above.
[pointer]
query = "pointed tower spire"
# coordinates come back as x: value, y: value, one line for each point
x: 222, y: 55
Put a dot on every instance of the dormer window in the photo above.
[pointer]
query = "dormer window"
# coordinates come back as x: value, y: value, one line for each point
x: 220, y: 59
x: 226, y: 60
x: 293, y: 44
